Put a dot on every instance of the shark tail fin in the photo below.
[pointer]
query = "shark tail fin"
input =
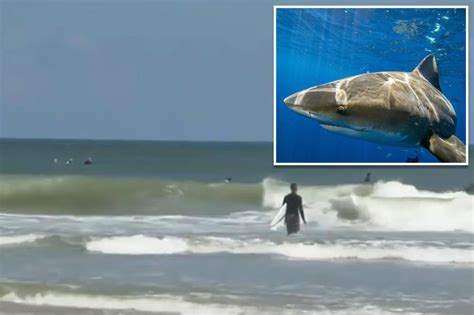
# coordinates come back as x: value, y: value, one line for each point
x: 450, y: 150
x: 428, y: 69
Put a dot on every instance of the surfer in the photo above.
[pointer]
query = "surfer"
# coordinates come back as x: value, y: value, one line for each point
x: 88, y: 161
x: 228, y: 179
x: 294, y: 204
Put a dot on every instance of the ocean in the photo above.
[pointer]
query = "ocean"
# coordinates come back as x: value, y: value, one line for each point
x: 152, y: 227
x: 320, y: 45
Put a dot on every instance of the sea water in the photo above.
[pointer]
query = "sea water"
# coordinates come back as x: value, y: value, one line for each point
x: 153, y: 227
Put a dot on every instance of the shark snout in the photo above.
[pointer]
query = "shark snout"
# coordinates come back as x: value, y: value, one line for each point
x: 294, y: 102
x: 291, y: 100
x: 311, y: 100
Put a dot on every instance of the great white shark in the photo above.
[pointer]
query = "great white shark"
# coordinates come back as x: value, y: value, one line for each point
x: 396, y: 108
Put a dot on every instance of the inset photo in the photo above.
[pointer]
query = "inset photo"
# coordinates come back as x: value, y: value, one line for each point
x: 367, y: 85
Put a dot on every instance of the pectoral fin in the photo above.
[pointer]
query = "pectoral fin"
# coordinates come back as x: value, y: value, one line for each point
x: 450, y: 150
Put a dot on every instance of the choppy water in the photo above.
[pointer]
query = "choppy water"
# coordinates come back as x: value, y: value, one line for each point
x: 316, y: 46
x: 125, y: 235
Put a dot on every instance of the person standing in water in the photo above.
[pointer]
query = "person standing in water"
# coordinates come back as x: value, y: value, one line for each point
x: 294, y: 208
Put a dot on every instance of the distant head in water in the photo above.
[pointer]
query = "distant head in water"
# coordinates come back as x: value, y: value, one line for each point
x: 397, y: 108
x: 88, y: 161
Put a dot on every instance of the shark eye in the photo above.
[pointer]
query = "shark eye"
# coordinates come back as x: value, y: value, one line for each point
x: 341, y: 109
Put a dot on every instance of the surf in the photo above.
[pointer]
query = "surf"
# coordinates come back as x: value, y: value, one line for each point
x: 321, y: 249
x: 412, y: 251
x: 8, y: 240
x: 185, y: 305
x: 155, y: 303
x: 381, y: 206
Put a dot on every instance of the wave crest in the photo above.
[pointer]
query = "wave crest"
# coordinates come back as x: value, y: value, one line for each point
x: 19, y: 239
x: 175, y: 304
x: 350, y: 249
x: 391, y: 206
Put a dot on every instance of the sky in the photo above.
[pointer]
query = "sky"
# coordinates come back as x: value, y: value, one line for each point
x: 136, y: 70
x: 158, y: 70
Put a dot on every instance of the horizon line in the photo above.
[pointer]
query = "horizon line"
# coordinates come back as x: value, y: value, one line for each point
x: 147, y: 140
x: 144, y: 140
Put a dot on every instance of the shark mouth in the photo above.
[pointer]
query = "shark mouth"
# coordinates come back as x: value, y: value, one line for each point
x: 365, y: 133
x: 334, y: 127
x: 341, y: 129
x: 329, y: 124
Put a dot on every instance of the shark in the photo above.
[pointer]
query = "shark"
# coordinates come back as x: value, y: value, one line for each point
x: 406, y: 109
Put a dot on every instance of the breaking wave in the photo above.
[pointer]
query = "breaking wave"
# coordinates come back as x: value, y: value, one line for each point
x: 19, y: 239
x: 390, y: 206
x: 351, y: 249
x: 156, y: 303
x: 172, y: 304
x: 431, y: 252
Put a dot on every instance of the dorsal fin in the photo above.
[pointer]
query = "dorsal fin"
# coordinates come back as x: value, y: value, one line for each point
x: 428, y: 69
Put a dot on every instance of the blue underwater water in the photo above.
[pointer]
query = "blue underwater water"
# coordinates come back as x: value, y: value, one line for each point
x: 318, y: 45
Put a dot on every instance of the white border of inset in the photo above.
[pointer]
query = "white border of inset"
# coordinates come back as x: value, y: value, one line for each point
x: 276, y: 7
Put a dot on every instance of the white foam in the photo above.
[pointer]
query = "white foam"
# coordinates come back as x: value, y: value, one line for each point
x: 19, y: 239
x: 418, y: 214
x: 175, y: 304
x: 382, y: 206
x: 158, y: 303
x: 138, y: 244
x: 363, y: 250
